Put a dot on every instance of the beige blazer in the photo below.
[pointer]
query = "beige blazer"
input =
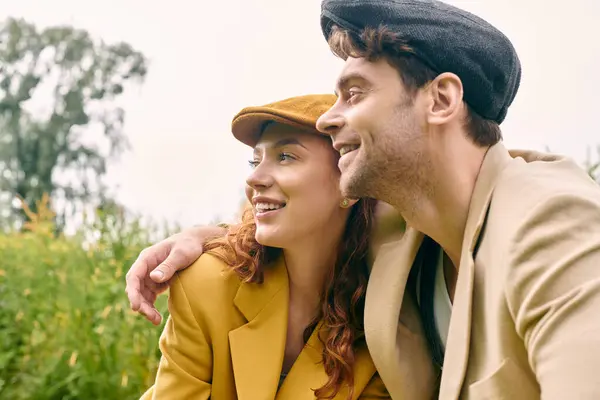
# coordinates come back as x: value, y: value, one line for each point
x: 526, y: 315
x: 225, y: 340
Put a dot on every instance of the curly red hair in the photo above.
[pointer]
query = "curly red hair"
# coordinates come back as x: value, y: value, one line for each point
x: 342, y: 299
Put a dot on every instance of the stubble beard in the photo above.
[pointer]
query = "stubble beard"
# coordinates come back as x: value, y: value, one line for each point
x: 366, y: 179
x: 396, y: 171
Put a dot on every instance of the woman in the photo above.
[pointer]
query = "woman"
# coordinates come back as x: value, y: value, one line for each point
x: 275, y: 308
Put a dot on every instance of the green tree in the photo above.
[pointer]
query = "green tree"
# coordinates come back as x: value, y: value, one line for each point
x: 59, y: 121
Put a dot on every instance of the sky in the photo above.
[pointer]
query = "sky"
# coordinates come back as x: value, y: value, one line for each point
x: 208, y: 60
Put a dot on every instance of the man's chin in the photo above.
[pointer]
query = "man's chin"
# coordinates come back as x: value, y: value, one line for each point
x: 351, y: 186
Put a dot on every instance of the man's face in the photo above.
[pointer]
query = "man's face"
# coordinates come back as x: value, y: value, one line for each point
x: 376, y: 126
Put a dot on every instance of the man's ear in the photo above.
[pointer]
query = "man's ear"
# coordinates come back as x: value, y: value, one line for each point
x: 446, y: 93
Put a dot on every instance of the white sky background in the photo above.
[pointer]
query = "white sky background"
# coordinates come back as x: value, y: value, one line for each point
x: 210, y: 59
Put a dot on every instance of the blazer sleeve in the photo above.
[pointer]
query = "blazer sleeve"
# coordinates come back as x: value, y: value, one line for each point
x: 553, y: 293
x: 185, y: 369
x: 375, y: 389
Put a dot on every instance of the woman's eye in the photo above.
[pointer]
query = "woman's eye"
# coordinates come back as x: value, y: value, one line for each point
x: 253, y: 163
x: 285, y: 157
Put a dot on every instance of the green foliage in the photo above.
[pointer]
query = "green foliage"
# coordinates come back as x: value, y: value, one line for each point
x: 58, y: 88
x: 66, y: 331
x: 592, y: 164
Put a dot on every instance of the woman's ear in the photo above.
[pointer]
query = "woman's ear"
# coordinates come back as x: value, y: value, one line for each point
x: 347, y: 203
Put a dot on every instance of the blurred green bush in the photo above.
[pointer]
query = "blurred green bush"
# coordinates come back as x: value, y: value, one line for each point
x: 66, y: 331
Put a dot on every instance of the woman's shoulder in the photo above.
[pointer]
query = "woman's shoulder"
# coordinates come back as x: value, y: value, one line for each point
x: 209, y: 277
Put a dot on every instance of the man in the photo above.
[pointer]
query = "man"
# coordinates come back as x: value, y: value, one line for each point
x: 510, y: 305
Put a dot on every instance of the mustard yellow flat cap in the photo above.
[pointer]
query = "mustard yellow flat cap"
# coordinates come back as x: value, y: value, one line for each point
x: 301, y: 112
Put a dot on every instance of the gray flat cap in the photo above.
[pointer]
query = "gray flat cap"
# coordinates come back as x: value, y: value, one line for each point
x: 445, y: 38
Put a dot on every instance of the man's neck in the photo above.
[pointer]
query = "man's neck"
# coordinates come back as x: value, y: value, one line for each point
x: 442, y: 215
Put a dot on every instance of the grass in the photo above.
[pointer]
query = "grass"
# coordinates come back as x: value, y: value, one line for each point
x: 66, y: 331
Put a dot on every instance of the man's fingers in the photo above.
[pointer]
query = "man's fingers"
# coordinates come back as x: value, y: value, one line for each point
x: 149, y: 259
x: 174, y: 262
x: 152, y: 271
x: 149, y: 296
x: 133, y: 292
x: 144, y: 293
x: 150, y: 313
x: 156, y: 288
x: 136, y: 277
x: 158, y: 275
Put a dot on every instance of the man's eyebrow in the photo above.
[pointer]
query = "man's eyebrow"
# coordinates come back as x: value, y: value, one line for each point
x: 345, y: 80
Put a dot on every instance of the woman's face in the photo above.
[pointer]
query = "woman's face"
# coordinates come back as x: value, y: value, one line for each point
x: 294, y: 187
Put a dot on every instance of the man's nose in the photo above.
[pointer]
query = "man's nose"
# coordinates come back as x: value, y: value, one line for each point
x: 331, y: 122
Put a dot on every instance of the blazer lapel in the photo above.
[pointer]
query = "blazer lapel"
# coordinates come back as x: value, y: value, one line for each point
x: 459, y: 335
x: 308, y: 372
x: 257, y: 348
x: 385, y: 294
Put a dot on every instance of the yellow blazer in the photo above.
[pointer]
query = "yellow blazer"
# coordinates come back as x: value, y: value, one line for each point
x: 526, y: 313
x: 225, y: 340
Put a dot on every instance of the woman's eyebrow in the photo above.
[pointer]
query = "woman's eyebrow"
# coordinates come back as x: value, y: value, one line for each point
x: 287, y: 141
x: 280, y: 143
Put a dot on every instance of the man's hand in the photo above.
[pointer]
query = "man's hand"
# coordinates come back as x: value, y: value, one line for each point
x: 151, y: 273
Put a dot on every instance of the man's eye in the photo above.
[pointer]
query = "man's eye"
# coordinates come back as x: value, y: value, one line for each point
x: 353, y: 94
